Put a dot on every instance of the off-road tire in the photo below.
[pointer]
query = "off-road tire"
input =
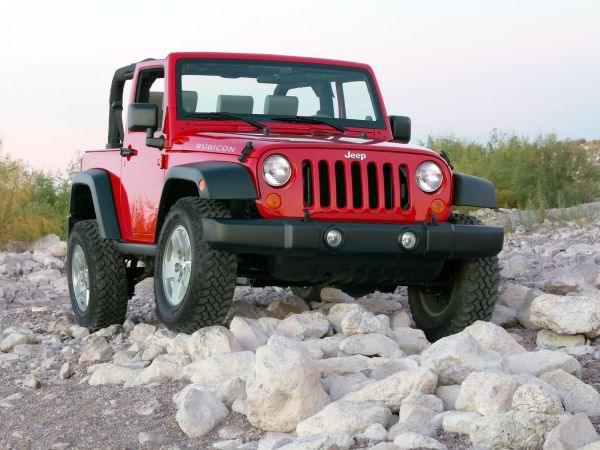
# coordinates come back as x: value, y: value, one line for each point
x: 213, y: 272
x: 471, y: 296
x: 107, y: 278
x: 308, y: 293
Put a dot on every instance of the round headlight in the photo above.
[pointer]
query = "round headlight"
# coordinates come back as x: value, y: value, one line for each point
x: 277, y: 170
x: 429, y: 176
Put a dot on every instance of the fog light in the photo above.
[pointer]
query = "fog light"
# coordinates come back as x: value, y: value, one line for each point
x: 334, y: 238
x: 408, y: 240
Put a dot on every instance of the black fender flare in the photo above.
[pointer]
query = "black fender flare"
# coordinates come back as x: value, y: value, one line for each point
x: 221, y: 180
x: 473, y: 191
x: 98, y: 183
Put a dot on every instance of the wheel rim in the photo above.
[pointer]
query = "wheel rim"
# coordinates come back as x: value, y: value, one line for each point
x: 177, y: 265
x: 80, y: 278
x: 435, y: 301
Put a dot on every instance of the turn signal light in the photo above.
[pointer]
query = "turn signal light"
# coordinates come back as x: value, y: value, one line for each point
x: 438, y: 206
x: 273, y: 201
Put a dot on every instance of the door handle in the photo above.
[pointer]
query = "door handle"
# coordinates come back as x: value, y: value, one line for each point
x: 128, y: 152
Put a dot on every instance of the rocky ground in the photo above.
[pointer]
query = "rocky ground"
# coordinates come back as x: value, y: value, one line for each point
x: 343, y: 373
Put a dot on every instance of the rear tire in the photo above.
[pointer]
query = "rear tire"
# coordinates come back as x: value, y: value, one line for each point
x: 96, y: 277
x: 193, y: 283
x: 467, y: 292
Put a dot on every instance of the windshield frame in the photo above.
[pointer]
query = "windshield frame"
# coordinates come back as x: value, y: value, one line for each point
x: 379, y: 124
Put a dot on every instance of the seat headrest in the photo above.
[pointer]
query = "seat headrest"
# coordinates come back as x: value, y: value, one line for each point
x: 281, y: 105
x: 189, y: 101
x: 157, y: 99
x: 235, y: 104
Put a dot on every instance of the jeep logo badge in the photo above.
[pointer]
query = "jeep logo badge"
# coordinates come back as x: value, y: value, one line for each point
x: 350, y: 155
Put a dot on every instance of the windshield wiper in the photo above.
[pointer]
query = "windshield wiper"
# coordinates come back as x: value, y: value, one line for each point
x: 315, y: 120
x: 224, y: 116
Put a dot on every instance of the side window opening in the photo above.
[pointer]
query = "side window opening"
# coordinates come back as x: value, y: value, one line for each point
x: 150, y: 89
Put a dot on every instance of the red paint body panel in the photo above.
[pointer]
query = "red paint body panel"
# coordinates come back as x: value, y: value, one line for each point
x: 137, y: 181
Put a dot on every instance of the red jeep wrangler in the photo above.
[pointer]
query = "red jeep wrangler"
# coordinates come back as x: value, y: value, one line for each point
x: 278, y: 170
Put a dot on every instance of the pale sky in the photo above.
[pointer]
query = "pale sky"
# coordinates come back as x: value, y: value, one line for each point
x: 461, y: 67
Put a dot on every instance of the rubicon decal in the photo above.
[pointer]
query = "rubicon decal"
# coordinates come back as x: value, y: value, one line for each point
x: 350, y: 155
x: 216, y: 148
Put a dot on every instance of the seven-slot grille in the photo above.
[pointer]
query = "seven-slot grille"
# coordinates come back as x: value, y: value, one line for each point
x: 354, y: 185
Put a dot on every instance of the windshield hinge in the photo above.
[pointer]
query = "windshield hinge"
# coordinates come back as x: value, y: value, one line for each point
x: 249, y: 148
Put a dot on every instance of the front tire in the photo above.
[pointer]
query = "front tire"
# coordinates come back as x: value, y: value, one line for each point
x: 465, y: 292
x: 96, y: 277
x: 193, y: 283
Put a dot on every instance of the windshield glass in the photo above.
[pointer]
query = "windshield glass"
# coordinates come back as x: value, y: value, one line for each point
x: 269, y: 91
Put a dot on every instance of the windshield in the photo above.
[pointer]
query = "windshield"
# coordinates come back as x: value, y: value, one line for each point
x: 278, y: 92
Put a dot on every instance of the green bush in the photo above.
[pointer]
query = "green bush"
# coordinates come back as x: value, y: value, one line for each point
x: 32, y: 202
x: 539, y: 174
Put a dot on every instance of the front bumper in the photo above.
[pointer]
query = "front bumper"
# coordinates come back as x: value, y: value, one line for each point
x: 439, y: 241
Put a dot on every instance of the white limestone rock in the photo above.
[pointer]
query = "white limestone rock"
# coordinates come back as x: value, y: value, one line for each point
x: 448, y: 394
x: 109, y: 373
x: 538, y: 362
x: 221, y: 367
x: 408, y: 441
x: 572, y: 433
x: 486, y: 393
x: 9, y: 342
x: 161, y: 369
x: 333, y: 295
x: 576, y: 396
x: 337, y: 385
x: 140, y: 332
x: 513, y: 429
x: 199, y: 412
x: 459, y: 421
x: 96, y: 349
x: 371, y: 344
x: 286, y: 388
x: 551, y: 340
x: 247, y: 333
x: 211, y: 341
x: 458, y: 355
x: 227, y: 391
x: 392, y: 390
x: 304, y: 326
x: 339, y: 311
x: 325, y: 441
x: 568, y: 314
x: 363, y: 322
x: 533, y: 398
x: 493, y: 337
x: 344, y: 416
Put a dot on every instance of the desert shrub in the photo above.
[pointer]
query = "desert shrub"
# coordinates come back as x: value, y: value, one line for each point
x: 32, y: 202
x: 542, y: 173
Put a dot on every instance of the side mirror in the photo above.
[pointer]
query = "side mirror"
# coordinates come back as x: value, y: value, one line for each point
x: 400, y: 128
x: 144, y: 117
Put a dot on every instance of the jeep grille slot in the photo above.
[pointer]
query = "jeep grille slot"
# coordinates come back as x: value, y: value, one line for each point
x: 357, y: 200
x: 307, y: 183
x: 324, y: 184
x: 388, y: 186
x: 404, y: 202
x: 372, y: 183
x: 340, y: 184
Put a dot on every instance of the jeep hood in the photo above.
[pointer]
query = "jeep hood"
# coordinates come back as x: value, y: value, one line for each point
x: 234, y: 143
